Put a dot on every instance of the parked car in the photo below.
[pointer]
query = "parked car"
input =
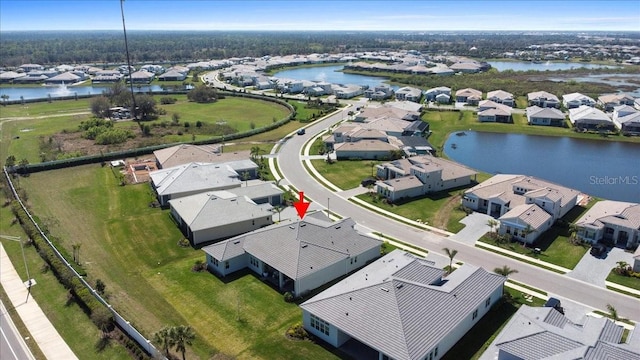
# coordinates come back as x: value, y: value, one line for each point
x: 597, y: 249
x: 368, y: 182
x: 301, y: 132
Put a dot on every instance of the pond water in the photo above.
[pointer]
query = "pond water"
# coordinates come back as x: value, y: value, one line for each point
x: 43, y: 92
x: 605, y: 169
x: 544, y: 66
x: 331, y: 74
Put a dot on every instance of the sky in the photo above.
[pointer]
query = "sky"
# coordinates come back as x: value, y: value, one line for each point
x: 287, y: 15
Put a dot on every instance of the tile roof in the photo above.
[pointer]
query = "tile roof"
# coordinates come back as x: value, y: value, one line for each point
x: 399, y: 306
x: 299, y: 249
x: 194, y: 177
x: 548, y: 113
x: 544, y: 333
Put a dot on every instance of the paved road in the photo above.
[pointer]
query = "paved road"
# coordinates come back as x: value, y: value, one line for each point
x: 12, y: 346
x: 555, y: 284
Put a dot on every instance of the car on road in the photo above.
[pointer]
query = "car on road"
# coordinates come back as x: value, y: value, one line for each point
x: 597, y: 249
x: 301, y: 132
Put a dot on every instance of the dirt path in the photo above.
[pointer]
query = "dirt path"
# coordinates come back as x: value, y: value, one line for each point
x: 441, y: 218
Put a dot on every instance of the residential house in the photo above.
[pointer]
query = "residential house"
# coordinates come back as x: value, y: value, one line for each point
x: 141, y: 77
x: 431, y: 94
x: 64, y: 78
x: 347, y: 91
x: 501, y: 97
x: 469, y: 96
x: 217, y: 215
x: 28, y: 67
x: 587, y: 118
x: 195, y: 178
x: 408, y: 93
x: 364, y: 149
x: 613, y: 222
x: 490, y: 111
x: 545, y: 333
x: 468, y: 67
x: 609, y: 101
x: 420, y: 175
x: 575, y: 100
x: 545, y: 116
x: 503, y: 197
x: 628, y: 118
x: 380, y: 92
x: 106, y: 76
x: 10, y: 76
x: 543, y: 99
x: 443, y: 98
x: 297, y: 257
x: 402, y: 307
x: 173, y: 75
x: 187, y: 153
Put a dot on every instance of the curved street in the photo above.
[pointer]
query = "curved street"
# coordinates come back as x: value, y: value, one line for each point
x: 292, y: 168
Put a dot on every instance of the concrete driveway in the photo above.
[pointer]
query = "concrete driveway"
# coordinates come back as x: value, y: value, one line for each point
x: 595, y: 270
x: 476, y: 226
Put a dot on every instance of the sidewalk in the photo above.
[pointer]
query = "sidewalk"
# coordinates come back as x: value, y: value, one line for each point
x: 43, y: 332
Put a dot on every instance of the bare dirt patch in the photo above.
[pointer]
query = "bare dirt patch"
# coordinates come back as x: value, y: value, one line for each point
x: 441, y: 218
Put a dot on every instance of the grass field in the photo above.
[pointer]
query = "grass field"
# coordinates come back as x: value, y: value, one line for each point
x: 133, y: 249
x: 22, y: 137
x: 628, y: 281
x: 346, y: 174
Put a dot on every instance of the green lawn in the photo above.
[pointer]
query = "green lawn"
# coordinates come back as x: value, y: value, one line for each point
x: 22, y: 138
x: 346, y: 174
x: 133, y: 249
x: 628, y: 281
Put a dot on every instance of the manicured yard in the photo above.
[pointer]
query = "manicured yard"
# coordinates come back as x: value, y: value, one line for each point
x: 133, y: 249
x: 628, y: 281
x: 346, y: 174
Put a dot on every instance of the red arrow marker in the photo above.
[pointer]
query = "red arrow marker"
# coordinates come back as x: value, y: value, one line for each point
x: 301, y: 206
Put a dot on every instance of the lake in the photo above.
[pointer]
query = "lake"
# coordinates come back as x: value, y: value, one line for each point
x: 43, y: 92
x: 544, y: 66
x: 610, y: 170
x: 331, y: 74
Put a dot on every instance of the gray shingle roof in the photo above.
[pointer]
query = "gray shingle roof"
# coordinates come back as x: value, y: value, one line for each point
x: 302, y: 248
x: 544, y: 333
x: 391, y: 306
x: 194, y: 177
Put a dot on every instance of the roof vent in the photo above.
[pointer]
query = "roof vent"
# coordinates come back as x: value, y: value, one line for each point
x: 338, y: 227
x: 384, y: 289
x: 303, y: 224
x: 303, y: 246
x: 292, y: 227
x: 399, y: 286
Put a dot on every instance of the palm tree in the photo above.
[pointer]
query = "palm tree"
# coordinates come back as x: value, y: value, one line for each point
x: 451, y: 253
x: 492, y: 223
x: 181, y: 336
x: 623, y: 268
x: 163, y: 339
x: 255, y: 152
x: 505, y: 271
x: 278, y: 209
x: 526, y: 231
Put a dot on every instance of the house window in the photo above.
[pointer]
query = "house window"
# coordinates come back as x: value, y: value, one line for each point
x: 435, y: 351
x: 319, y: 324
x: 226, y: 264
x: 475, y: 314
x: 215, y: 262
x: 487, y: 302
x: 355, y: 259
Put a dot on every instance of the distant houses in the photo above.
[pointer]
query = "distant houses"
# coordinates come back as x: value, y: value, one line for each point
x: 544, y: 116
x: 543, y: 99
x: 440, y: 94
x: 501, y: 97
x: 469, y: 96
x: 612, y: 222
x: 420, y: 175
x: 587, y: 118
x: 609, y: 101
x: 524, y: 205
x: 490, y: 111
x: 575, y: 100
x: 402, y: 307
x: 296, y: 257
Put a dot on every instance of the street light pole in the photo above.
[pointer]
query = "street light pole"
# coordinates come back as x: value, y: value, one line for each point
x: 328, y: 211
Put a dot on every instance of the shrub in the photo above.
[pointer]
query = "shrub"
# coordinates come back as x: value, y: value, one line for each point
x: 166, y: 100
x: 297, y: 331
x: 288, y: 297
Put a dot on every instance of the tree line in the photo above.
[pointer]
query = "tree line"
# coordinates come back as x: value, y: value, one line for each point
x: 57, y: 47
